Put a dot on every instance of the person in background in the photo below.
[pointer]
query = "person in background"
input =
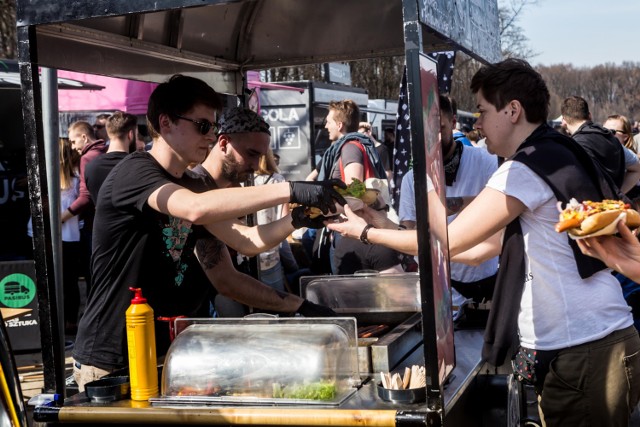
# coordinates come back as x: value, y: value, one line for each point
x: 383, y: 151
x: 389, y: 139
x: 620, y: 126
x: 84, y: 141
x: 474, y: 136
x: 459, y: 134
x: 70, y: 234
x: 620, y: 164
x: 271, y: 272
x: 153, y: 215
x: 121, y: 130
x: 578, y: 346
x: 353, y: 155
x: 467, y: 171
x: 100, y: 127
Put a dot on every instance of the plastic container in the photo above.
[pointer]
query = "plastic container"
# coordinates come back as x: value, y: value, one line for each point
x: 141, y: 341
x: 262, y: 361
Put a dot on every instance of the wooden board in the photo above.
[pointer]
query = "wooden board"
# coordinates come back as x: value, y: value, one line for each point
x: 12, y: 313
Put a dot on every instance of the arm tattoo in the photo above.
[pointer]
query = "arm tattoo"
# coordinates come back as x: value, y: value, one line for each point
x: 210, y: 251
x: 454, y: 205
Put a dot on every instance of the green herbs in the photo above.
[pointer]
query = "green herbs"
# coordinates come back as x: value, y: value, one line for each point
x: 355, y: 189
x: 319, y: 390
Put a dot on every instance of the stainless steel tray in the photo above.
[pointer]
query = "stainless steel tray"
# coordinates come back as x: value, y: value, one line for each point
x: 248, y: 400
x: 371, y: 299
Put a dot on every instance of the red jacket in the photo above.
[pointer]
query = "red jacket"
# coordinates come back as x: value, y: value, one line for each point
x: 89, y: 153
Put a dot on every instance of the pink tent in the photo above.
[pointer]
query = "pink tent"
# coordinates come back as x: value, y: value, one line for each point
x: 130, y: 96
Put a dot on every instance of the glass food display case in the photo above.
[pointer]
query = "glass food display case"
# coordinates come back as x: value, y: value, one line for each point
x: 261, y: 361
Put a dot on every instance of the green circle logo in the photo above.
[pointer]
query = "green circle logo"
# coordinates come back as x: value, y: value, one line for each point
x: 17, y: 290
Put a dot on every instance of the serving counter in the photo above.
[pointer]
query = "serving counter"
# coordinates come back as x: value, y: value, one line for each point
x: 363, y: 408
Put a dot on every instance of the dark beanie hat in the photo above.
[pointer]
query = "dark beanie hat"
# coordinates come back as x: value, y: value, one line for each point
x: 240, y: 120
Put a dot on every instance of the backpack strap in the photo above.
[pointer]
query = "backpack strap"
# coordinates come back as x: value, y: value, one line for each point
x: 369, y: 172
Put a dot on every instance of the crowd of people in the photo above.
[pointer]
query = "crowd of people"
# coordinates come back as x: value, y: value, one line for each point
x: 171, y: 221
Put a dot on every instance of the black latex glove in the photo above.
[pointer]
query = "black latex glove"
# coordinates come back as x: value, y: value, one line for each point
x: 318, y: 194
x: 299, y: 219
x: 310, y: 309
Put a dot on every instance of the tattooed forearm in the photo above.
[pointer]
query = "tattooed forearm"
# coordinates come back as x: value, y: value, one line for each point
x: 210, y: 252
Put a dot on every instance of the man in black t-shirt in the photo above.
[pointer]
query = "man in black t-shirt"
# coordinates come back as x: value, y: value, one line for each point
x: 121, y: 129
x: 149, y: 215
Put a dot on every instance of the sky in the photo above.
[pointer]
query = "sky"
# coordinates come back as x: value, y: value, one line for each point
x: 583, y: 33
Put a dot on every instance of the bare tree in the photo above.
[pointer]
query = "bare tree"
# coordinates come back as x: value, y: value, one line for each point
x: 8, y: 38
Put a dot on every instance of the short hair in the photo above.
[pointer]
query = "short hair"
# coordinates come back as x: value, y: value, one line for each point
x: 364, y: 125
x: 514, y: 79
x: 102, y: 116
x: 446, y: 106
x: 177, y: 96
x: 346, y: 112
x: 120, y: 123
x: 83, y: 127
x: 575, y: 108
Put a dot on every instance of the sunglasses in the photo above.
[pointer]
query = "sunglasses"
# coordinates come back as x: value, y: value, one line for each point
x: 204, y: 126
x: 614, y: 131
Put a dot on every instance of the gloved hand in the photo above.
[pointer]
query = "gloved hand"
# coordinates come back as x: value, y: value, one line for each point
x: 310, y: 309
x: 319, y: 194
x: 299, y: 219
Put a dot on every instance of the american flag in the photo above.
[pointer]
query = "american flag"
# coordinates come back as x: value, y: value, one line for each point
x: 446, y: 62
x: 402, y: 146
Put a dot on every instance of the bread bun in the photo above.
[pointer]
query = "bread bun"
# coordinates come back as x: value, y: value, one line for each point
x: 595, y: 222
x: 633, y: 219
x: 370, y: 197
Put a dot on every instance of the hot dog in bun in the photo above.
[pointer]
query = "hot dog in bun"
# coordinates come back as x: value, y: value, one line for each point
x: 587, y: 218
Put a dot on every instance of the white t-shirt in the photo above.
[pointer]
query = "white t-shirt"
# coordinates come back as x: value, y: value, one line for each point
x: 558, y: 308
x: 476, y: 167
x: 70, y: 229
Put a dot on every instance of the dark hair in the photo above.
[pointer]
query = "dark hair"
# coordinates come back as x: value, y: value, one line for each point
x: 446, y: 106
x: 575, y: 108
x: 514, y: 79
x: 177, y: 96
x: 346, y: 112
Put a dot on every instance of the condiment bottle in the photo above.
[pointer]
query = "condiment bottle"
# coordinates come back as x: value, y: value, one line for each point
x: 141, y: 341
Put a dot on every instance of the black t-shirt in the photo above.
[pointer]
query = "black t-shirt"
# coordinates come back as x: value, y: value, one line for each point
x: 352, y: 255
x: 96, y: 171
x: 136, y: 246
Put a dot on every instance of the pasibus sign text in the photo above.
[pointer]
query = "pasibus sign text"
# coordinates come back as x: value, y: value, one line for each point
x: 17, y: 290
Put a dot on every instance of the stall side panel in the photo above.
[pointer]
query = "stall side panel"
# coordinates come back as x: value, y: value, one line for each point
x: 287, y: 113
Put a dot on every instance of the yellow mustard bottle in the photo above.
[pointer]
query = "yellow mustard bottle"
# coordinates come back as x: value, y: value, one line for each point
x: 141, y: 341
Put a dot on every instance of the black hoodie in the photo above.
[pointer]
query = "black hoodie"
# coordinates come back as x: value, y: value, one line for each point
x: 604, y: 148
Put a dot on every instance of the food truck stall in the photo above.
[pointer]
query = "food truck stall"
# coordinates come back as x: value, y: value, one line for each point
x: 218, y: 41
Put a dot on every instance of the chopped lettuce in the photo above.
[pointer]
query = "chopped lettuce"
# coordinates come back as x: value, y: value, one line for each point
x: 355, y: 189
x: 319, y: 390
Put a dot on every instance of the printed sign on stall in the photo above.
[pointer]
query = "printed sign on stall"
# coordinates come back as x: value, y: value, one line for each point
x: 18, y: 291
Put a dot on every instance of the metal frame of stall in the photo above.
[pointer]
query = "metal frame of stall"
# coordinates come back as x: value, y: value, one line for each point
x: 53, y: 35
